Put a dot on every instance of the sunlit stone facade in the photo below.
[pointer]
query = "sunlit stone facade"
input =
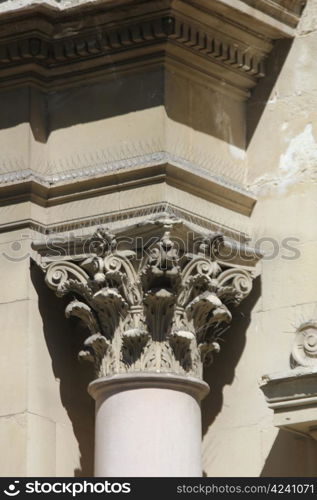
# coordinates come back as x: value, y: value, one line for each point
x: 157, y: 178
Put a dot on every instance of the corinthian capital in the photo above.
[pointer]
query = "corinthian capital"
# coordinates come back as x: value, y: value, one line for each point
x: 154, y: 298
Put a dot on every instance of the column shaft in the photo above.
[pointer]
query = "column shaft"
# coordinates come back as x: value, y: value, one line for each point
x: 148, y: 425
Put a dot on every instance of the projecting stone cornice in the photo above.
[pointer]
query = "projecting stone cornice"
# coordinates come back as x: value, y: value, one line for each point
x: 155, y: 296
x: 292, y: 394
x: 222, y: 43
x: 285, y: 11
x: 44, y: 191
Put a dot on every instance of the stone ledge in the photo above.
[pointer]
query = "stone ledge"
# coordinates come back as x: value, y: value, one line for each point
x: 293, y: 397
x: 286, y: 11
x: 216, y: 190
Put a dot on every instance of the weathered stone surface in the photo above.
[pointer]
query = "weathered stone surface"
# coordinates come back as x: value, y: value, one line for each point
x: 154, y: 298
x: 116, y: 128
x: 13, y: 435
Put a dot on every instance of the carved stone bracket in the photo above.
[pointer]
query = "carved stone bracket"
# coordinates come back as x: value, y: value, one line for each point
x: 156, y: 303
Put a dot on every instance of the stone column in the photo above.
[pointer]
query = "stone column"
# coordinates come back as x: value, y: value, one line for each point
x: 154, y: 313
x: 148, y: 425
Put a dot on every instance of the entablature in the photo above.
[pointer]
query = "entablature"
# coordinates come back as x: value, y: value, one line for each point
x: 225, y: 42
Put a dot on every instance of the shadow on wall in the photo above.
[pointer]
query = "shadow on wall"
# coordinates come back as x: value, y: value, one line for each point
x: 64, y: 340
x: 291, y: 456
x: 196, y: 106
x: 222, y: 370
x: 261, y: 93
x: 185, y: 102
x: 46, y: 112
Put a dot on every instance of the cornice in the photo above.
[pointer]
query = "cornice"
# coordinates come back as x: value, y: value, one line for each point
x: 286, y: 11
x: 292, y: 396
x: 53, y: 49
x: 44, y: 192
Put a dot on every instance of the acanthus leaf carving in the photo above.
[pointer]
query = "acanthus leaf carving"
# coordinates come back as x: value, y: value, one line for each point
x: 206, y: 350
x: 82, y: 311
x: 158, y: 308
x: 133, y: 344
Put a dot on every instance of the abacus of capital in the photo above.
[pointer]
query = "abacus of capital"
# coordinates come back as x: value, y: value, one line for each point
x: 155, y: 303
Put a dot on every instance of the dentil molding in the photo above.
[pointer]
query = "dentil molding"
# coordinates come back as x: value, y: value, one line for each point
x: 224, y: 43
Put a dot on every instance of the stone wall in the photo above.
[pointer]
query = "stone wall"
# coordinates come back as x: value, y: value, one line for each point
x: 281, y: 156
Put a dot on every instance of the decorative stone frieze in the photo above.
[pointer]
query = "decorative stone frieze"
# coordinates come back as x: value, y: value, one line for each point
x: 154, y: 298
x: 51, y: 52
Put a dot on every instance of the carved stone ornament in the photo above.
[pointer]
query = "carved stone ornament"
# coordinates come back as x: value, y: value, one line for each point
x: 223, y: 44
x: 304, y: 352
x: 153, y: 306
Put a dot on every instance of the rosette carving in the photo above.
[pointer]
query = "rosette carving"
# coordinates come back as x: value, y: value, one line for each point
x: 304, y: 352
x: 161, y: 307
